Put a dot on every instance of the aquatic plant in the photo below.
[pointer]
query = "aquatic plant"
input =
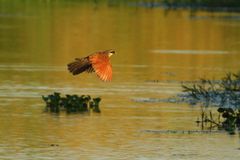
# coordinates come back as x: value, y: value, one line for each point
x: 227, y: 119
x: 231, y: 119
x: 71, y: 103
x: 224, y: 94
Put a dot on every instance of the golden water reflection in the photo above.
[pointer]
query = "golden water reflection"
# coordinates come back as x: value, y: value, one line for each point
x: 37, y: 41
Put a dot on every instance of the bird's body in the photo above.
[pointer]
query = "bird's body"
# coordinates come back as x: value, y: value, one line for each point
x: 98, y: 62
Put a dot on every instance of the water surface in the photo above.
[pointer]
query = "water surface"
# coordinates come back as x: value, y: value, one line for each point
x: 156, y: 51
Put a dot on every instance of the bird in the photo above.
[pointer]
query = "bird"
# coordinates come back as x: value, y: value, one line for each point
x: 98, y: 62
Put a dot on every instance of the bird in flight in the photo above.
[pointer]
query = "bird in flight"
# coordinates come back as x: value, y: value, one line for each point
x: 98, y: 62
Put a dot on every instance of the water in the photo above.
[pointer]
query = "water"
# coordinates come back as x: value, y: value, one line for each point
x: 156, y: 51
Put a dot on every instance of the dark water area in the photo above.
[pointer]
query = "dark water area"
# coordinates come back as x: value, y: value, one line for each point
x: 156, y: 49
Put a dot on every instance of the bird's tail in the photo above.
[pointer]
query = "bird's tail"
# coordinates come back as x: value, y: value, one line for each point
x: 79, y: 65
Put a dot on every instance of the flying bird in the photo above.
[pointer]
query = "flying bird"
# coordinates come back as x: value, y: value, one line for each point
x: 98, y: 62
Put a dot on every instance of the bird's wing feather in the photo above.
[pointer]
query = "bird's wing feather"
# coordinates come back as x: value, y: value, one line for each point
x: 102, y: 66
x: 80, y: 65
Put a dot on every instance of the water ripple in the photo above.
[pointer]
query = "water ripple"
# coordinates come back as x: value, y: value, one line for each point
x: 162, y: 51
x: 32, y: 68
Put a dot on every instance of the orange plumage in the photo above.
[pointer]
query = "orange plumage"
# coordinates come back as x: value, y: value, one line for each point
x: 98, y: 62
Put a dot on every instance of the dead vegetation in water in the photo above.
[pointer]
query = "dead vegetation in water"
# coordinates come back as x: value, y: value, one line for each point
x: 225, y: 94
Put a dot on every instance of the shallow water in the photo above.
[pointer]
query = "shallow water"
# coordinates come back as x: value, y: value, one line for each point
x: 156, y: 51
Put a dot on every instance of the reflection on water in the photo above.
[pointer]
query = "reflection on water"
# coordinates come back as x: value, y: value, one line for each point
x: 156, y: 50
x: 189, y: 52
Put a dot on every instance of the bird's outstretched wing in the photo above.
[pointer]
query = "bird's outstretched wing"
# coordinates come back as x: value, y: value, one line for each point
x: 80, y: 65
x: 102, y: 66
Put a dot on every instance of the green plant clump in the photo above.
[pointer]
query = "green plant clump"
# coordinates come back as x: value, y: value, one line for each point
x: 227, y: 119
x: 231, y: 119
x: 71, y: 103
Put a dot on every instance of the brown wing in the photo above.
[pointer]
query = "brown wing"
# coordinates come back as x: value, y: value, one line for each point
x: 102, y: 66
x: 80, y: 65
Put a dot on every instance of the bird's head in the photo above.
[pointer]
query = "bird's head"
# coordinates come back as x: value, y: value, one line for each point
x: 110, y: 52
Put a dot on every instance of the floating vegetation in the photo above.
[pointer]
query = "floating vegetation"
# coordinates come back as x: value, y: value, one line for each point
x: 224, y: 94
x: 71, y: 103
